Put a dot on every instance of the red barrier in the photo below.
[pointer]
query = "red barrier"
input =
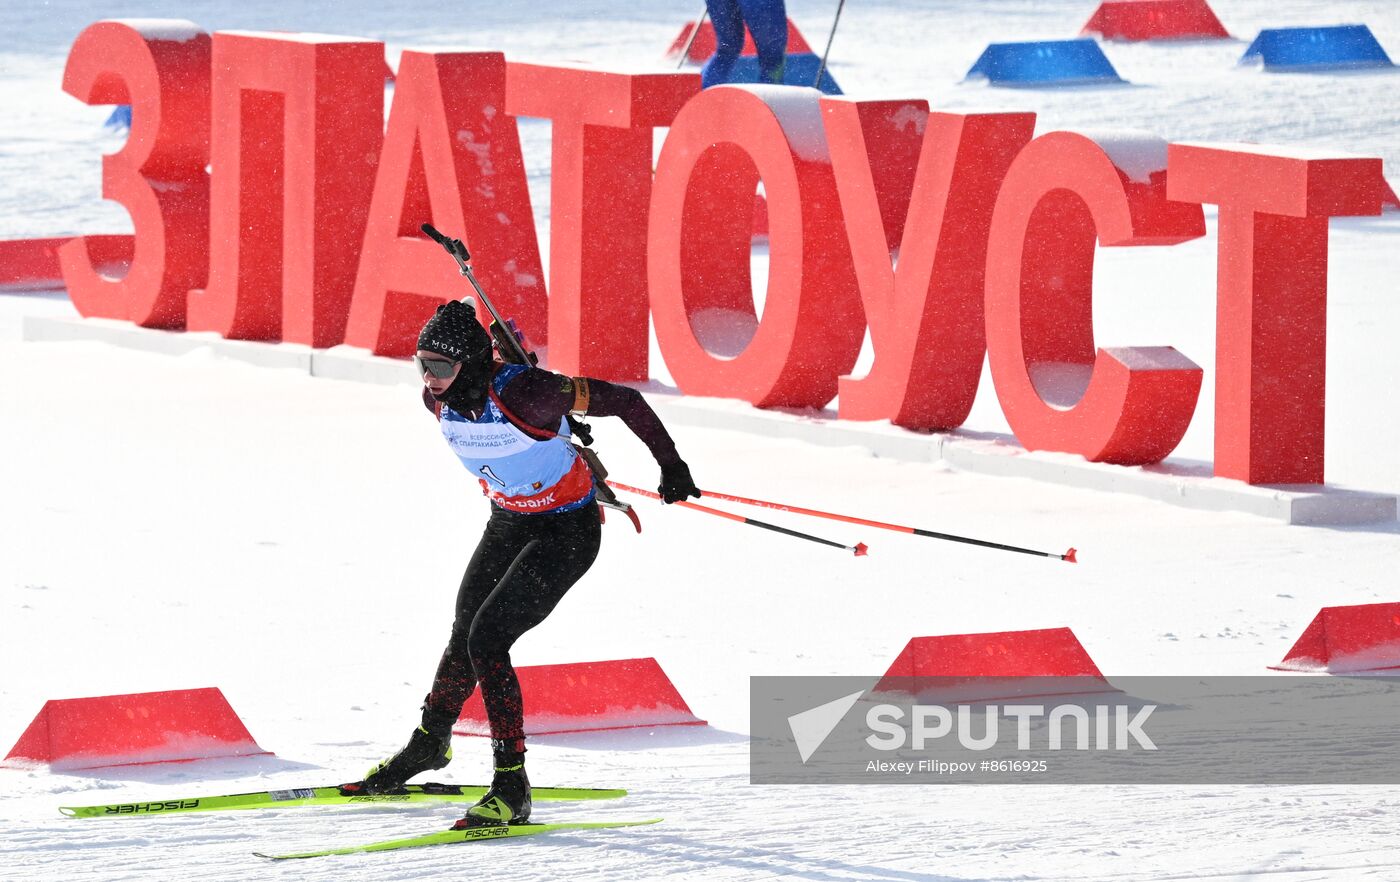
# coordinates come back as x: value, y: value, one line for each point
x: 1348, y: 639
x: 600, y: 187
x: 295, y: 136
x: 721, y: 144
x: 1051, y: 652
x: 922, y: 185
x: 451, y: 156
x: 1271, y: 295
x: 704, y: 44
x: 1154, y: 20
x: 30, y: 261
x: 1127, y: 405
x: 145, y: 727
x: 1024, y: 664
x: 34, y: 263
x: 588, y: 697
x: 159, y: 177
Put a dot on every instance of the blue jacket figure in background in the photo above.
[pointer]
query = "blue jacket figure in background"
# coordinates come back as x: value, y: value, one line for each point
x: 767, y: 22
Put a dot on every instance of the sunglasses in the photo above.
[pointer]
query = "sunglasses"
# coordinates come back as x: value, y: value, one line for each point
x: 439, y: 367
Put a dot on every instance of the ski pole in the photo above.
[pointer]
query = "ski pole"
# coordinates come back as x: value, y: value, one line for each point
x: 859, y: 549
x: 821, y: 68
x: 1067, y: 556
x: 690, y: 41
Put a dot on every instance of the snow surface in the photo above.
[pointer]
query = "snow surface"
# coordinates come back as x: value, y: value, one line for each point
x: 170, y: 30
x: 298, y: 37
x: 1136, y: 153
x: 799, y: 111
x: 178, y: 522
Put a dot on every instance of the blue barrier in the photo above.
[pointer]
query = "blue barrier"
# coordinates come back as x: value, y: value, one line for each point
x: 1044, y: 63
x: 120, y: 118
x: 800, y: 69
x: 1325, y: 48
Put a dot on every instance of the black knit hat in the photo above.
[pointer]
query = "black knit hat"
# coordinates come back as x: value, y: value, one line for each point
x: 453, y: 331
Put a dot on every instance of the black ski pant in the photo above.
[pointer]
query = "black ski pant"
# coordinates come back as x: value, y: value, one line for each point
x: 520, y: 571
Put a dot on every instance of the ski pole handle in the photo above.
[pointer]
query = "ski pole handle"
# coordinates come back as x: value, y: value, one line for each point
x: 434, y: 234
x: 454, y: 247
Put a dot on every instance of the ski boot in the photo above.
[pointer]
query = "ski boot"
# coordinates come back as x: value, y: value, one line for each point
x: 424, y: 752
x: 508, y: 800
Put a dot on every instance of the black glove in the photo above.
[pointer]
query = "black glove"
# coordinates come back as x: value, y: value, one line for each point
x: 676, y: 484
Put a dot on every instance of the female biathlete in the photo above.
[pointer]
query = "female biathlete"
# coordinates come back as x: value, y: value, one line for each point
x: 507, y: 423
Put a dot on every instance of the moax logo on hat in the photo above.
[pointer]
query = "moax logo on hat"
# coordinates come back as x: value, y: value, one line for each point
x: 453, y: 331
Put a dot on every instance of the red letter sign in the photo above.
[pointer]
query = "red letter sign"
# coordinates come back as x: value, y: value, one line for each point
x: 600, y: 186
x: 718, y: 148
x: 161, y: 68
x: 925, y: 316
x: 452, y: 158
x: 1128, y: 405
x: 297, y: 125
x: 1271, y: 296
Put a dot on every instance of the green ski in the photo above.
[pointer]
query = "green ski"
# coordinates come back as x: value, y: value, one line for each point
x: 322, y: 796
x: 471, y: 834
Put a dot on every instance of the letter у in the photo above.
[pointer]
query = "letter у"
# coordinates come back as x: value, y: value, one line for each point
x: 920, y: 185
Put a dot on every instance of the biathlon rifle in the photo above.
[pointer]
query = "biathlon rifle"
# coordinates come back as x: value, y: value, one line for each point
x: 508, y: 343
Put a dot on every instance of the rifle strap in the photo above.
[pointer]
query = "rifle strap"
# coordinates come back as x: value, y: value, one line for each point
x: 605, y: 493
x: 535, y: 432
